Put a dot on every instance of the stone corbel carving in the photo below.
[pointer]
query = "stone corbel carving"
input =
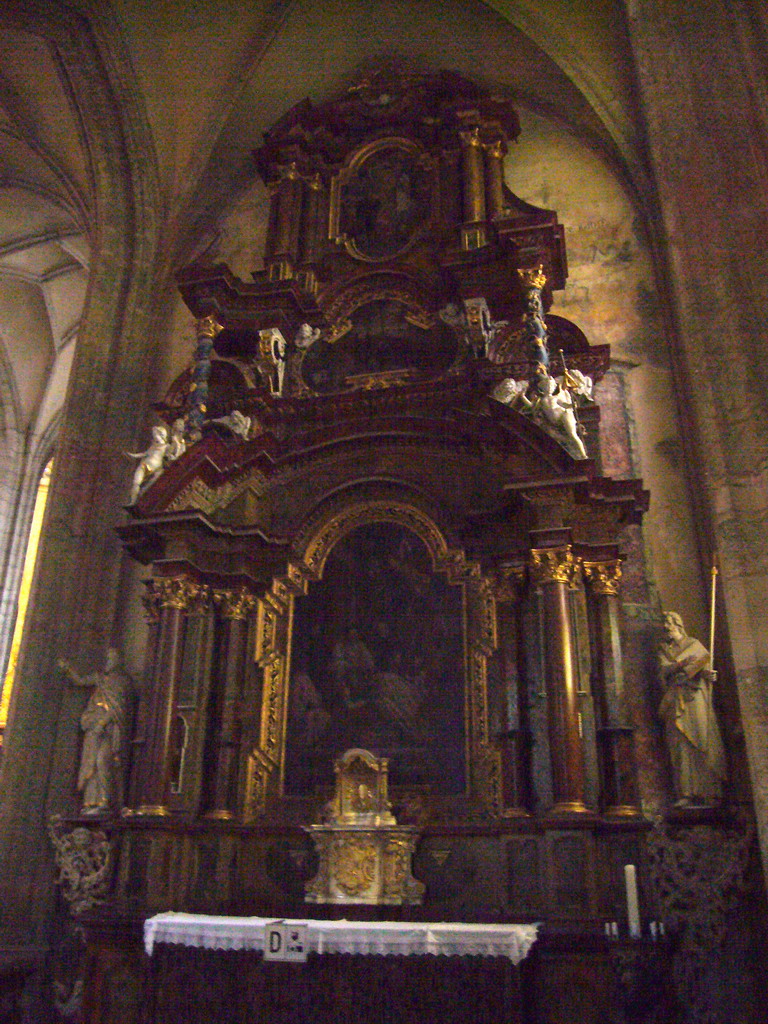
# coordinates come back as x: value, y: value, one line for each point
x: 83, y: 863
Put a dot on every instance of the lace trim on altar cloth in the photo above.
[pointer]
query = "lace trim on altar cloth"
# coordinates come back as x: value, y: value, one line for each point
x: 380, y: 938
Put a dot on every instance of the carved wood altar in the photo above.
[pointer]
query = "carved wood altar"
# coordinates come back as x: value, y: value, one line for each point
x: 379, y: 553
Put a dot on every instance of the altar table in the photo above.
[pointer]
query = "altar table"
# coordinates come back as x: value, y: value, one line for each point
x: 206, y: 969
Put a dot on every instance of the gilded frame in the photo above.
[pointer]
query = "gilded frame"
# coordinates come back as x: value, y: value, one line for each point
x: 266, y: 764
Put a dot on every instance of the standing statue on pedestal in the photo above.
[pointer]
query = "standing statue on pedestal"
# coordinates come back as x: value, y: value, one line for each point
x: 690, y: 726
x: 104, y: 723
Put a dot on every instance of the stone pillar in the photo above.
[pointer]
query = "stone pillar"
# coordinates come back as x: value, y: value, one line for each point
x: 235, y: 608
x: 473, y: 234
x: 552, y: 571
x: 618, y: 776
x: 493, y: 153
x: 174, y: 596
x: 707, y: 139
x: 207, y: 329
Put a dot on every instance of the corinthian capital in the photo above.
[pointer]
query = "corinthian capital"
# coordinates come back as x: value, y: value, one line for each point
x: 234, y: 604
x: 553, y: 565
x: 180, y: 593
x: 603, y: 577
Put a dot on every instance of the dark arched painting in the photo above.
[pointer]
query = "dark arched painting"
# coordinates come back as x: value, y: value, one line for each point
x: 382, y: 338
x: 377, y: 662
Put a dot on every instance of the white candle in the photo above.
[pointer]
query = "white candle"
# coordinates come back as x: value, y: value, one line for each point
x: 633, y: 908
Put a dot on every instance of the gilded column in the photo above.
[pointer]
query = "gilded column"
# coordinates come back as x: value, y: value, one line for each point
x: 618, y: 781
x: 493, y: 153
x: 473, y: 230
x: 552, y: 572
x: 235, y: 608
x: 174, y: 596
x: 311, y: 219
x: 285, y: 220
x: 207, y: 329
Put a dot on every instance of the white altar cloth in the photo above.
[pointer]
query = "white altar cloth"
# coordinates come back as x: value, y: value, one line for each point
x: 382, y: 938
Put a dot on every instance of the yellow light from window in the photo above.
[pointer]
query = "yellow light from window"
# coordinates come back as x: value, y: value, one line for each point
x: 26, y: 585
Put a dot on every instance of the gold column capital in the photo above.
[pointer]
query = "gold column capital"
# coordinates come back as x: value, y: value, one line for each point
x: 603, y: 577
x: 234, y: 604
x: 470, y: 137
x: 495, y: 149
x: 208, y: 327
x: 179, y: 592
x: 532, y: 277
x: 553, y: 565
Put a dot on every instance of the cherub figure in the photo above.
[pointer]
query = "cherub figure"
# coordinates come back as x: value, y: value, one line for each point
x: 306, y: 336
x: 177, y: 444
x: 235, y: 421
x: 552, y: 406
x: 549, y: 403
x: 151, y: 461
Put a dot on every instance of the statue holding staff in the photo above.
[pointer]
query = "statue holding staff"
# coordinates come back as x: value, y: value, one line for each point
x: 690, y: 727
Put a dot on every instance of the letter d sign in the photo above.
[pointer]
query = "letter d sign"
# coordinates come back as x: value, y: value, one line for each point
x: 273, y: 945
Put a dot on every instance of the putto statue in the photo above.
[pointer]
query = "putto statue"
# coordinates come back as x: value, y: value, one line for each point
x: 690, y: 726
x: 151, y: 461
x: 104, y: 723
x: 549, y: 403
x: 236, y: 422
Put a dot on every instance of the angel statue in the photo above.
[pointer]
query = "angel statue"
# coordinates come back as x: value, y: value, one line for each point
x: 549, y: 403
x: 150, y: 462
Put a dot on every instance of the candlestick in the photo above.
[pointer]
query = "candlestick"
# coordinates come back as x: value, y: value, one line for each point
x: 712, y: 618
x: 633, y: 907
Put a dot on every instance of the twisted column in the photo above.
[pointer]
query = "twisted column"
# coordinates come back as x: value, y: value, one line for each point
x: 207, y: 329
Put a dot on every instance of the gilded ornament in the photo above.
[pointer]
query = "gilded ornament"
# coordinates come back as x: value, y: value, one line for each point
x: 208, y: 327
x: 532, y: 277
x: 83, y: 864
x: 234, y: 604
x: 180, y: 592
x: 603, y: 577
x: 553, y: 565
x: 352, y: 864
x: 470, y: 137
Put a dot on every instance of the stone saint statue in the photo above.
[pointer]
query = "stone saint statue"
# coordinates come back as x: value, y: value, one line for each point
x: 104, y: 723
x: 690, y: 726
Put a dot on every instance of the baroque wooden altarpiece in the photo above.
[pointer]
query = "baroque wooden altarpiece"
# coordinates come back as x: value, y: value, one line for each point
x: 376, y: 552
